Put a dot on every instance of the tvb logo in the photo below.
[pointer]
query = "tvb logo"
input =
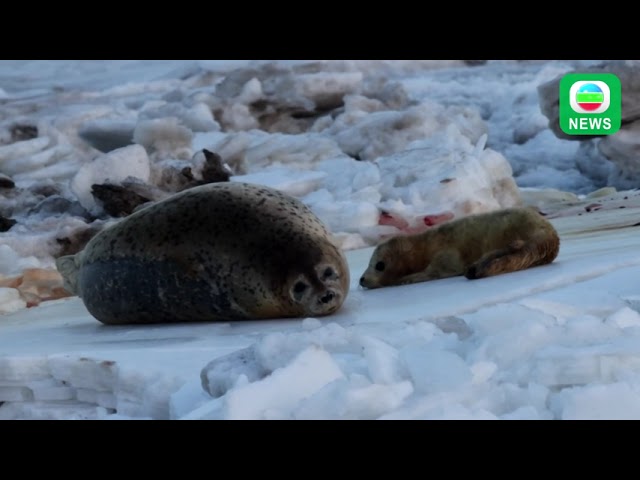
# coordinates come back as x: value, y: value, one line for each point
x: 590, y: 104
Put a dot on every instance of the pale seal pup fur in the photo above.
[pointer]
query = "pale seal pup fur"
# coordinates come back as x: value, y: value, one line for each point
x: 217, y: 252
x: 475, y: 246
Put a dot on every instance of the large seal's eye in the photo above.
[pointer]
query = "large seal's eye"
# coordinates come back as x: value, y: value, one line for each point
x: 327, y: 272
x: 299, y: 287
x: 380, y: 266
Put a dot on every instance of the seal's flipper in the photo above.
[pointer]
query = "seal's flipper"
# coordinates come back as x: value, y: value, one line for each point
x: 68, y: 268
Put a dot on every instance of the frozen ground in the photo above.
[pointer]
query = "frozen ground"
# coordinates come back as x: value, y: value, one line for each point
x: 560, y: 341
x: 374, y: 148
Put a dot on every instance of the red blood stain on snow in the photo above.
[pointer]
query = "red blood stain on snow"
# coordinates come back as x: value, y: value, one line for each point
x: 388, y: 219
x: 406, y: 229
x: 432, y: 220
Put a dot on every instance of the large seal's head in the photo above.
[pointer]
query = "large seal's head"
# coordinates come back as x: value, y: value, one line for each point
x: 389, y: 262
x: 321, y: 288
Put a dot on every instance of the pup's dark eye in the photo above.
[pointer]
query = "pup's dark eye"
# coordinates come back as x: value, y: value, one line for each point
x: 299, y: 287
x: 380, y: 266
x: 328, y: 272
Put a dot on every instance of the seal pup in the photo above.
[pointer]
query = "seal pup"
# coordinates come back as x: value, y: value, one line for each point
x: 217, y: 252
x: 475, y: 246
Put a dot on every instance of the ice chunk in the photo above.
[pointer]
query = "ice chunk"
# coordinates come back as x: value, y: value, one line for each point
x: 619, y: 401
x: 457, y: 411
x: 84, y: 372
x: 347, y: 216
x: 104, y: 399
x: 10, y: 300
x: 624, y: 318
x: 211, y: 410
x: 69, y: 410
x: 311, y: 323
x: 526, y: 412
x: 51, y: 390
x: 36, y: 161
x: 164, y: 138
x: 21, y: 150
x: 353, y: 399
x: 189, y: 397
x: 200, y: 119
x: 367, y: 136
x: 15, y: 394
x: 303, y: 150
x: 346, y: 176
x: 197, y: 118
x: 113, y: 167
x: 328, y: 403
x: 277, y: 350
x: 445, y: 174
x: 23, y: 369
x: 285, y: 387
x: 383, y: 361
x: 222, y: 373
x: 483, y: 371
x: 292, y: 182
x: 434, y: 370
x: 373, y: 400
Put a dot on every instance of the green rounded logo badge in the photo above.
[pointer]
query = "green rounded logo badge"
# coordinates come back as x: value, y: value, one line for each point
x: 590, y: 104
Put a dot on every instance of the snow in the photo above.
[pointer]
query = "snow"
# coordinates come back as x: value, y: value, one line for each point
x: 11, y: 263
x: 460, y: 178
x: 277, y: 394
x: 112, y: 168
x: 10, y: 300
x: 449, y: 349
x: 618, y: 401
x: 418, y: 140
x: 292, y: 182
x: 164, y: 137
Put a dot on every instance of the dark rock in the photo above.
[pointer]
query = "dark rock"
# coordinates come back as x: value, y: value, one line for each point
x: 23, y: 132
x: 6, y: 181
x: 474, y: 63
x: 214, y: 169
x: 187, y: 173
x: 45, y: 189
x: 170, y: 177
x: 6, y: 223
x: 58, y: 205
x: 108, y: 135
x: 145, y: 190
x: 116, y: 200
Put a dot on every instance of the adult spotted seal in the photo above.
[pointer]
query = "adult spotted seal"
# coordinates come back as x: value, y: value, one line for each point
x: 217, y: 252
x: 475, y: 246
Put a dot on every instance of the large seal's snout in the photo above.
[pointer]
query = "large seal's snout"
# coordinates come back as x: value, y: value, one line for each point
x: 326, y: 302
x: 327, y: 297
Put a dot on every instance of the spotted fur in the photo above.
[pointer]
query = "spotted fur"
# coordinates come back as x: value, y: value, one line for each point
x: 218, y: 252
